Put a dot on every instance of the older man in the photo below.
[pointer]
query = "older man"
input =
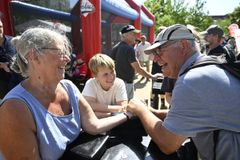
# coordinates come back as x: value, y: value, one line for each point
x: 126, y: 62
x: 204, y: 99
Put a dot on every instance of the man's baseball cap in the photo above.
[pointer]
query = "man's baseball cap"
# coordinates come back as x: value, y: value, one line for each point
x: 213, y: 29
x: 171, y: 33
x: 129, y: 28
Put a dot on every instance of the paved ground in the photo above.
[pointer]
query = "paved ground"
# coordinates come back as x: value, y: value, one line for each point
x: 142, y: 88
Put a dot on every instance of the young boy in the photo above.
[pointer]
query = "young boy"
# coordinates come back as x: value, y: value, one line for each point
x: 104, y: 92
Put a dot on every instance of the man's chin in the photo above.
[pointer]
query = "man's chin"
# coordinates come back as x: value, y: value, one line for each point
x: 165, y: 72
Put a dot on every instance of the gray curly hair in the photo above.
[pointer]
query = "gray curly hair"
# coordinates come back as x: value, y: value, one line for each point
x: 35, y: 38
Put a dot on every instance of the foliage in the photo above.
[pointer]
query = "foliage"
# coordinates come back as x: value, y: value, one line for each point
x: 235, y: 16
x: 169, y: 12
x: 224, y: 25
x: 53, y: 4
x: 197, y: 17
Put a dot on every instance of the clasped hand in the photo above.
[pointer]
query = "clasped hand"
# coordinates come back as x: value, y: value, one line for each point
x: 135, y: 106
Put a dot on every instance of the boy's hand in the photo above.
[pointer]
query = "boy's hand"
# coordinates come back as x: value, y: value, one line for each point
x: 135, y: 105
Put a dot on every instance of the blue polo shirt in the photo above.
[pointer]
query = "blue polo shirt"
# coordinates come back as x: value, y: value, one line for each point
x: 207, y: 99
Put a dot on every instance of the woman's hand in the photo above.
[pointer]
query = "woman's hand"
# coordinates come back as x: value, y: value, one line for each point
x: 124, y: 108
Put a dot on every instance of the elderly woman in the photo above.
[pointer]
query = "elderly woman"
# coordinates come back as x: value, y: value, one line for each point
x: 44, y: 113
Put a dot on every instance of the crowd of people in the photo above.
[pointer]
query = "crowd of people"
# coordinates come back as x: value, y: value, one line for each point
x: 54, y: 109
x: 51, y: 108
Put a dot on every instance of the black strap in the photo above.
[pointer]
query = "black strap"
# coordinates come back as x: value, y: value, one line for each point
x: 203, y: 61
x: 215, y: 140
x: 230, y: 55
x: 170, y: 34
x: 230, y: 66
x: 233, y: 68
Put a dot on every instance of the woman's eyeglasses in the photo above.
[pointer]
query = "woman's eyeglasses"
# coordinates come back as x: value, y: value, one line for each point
x: 59, y: 52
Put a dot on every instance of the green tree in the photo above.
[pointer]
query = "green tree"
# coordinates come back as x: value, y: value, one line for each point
x: 169, y: 12
x: 235, y: 16
x: 224, y: 25
x: 197, y: 16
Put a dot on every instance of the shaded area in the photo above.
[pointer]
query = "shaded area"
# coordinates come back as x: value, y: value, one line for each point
x: 43, y: 23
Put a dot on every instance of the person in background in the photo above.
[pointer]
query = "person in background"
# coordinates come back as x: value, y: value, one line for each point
x: 214, y: 38
x: 45, y: 112
x: 142, y: 57
x: 232, y: 46
x: 200, y: 100
x: 80, y: 68
x: 8, y: 78
x: 157, y: 85
x: 77, y: 71
x: 125, y: 59
x: 105, y: 93
x: 167, y: 87
x: 137, y: 42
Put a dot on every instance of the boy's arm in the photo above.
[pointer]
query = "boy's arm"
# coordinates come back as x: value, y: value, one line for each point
x: 98, y: 107
x: 102, y: 114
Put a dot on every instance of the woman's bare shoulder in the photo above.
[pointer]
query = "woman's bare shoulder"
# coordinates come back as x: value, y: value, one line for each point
x: 16, y: 112
x: 17, y: 131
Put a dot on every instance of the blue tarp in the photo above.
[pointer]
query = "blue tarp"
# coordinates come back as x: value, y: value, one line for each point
x: 118, y: 8
x: 145, y: 20
x: 113, y: 6
x: 46, y: 12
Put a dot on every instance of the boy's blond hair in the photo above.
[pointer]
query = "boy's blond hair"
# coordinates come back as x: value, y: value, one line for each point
x: 100, y: 60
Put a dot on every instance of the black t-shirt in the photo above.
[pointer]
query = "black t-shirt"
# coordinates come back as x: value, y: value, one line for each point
x: 168, y: 84
x: 156, y: 68
x: 7, y: 51
x: 124, y: 55
x: 221, y: 50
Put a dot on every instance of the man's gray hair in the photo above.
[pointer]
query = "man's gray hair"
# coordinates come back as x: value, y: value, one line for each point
x: 35, y: 39
x: 195, y: 46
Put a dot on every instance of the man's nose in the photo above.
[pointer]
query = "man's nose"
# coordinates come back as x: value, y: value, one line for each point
x: 156, y: 58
